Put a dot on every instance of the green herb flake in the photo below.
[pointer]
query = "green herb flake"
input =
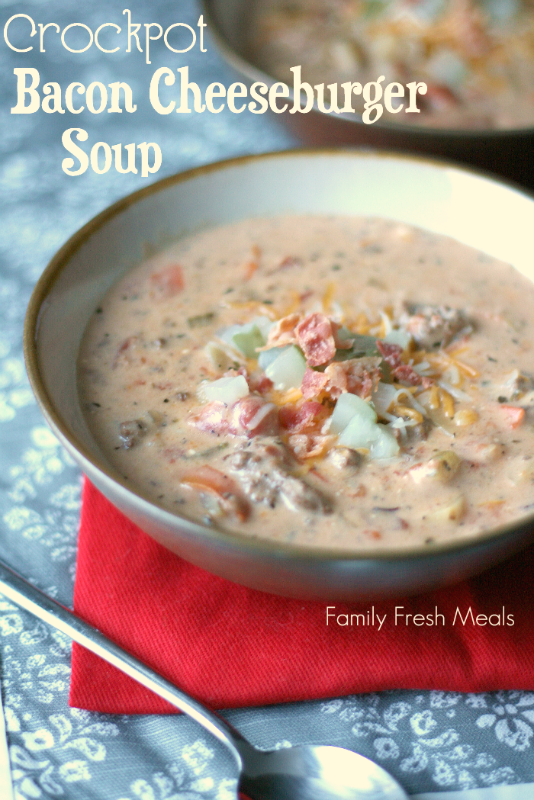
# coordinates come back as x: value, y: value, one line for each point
x: 201, y: 320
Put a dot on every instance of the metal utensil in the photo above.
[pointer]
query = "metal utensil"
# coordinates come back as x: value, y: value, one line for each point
x: 6, y: 784
x: 307, y: 772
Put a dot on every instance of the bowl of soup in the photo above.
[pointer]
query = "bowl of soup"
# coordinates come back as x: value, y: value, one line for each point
x: 309, y: 372
x: 469, y: 63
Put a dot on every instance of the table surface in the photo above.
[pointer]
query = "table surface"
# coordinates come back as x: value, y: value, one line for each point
x: 446, y: 744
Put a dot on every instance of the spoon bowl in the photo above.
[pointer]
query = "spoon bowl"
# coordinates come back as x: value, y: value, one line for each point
x: 306, y: 772
x: 315, y: 772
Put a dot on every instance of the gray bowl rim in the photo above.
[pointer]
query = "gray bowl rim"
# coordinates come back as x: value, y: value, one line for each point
x: 250, y: 544
x: 254, y: 73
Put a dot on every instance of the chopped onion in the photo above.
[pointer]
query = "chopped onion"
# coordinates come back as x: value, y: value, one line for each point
x: 383, y: 397
x: 227, y: 390
x: 287, y: 370
x: 267, y: 357
x: 397, y: 336
x: 347, y: 408
x: 249, y: 337
x: 385, y: 444
x: 363, y: 432
x: 222, y: 356
x: 248, y: 340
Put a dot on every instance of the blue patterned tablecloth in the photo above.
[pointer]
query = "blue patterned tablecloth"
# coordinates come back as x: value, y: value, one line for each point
x: 433, y: 742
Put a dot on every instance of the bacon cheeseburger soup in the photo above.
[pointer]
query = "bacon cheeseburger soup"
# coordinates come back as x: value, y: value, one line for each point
x: 331, y: 381
x: 476, y: 57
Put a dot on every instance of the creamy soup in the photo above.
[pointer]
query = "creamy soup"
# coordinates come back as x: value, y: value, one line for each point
x: 329, y: 381
x: 476, y: 56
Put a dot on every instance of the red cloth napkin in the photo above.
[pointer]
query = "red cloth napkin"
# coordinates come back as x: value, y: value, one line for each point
x: 231, y: 646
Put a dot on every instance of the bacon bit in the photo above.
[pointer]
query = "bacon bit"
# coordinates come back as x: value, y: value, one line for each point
x: 123, y: 354
x: 315, y: 337
x: 167, y: 282
x: 261, y: 384
x: 209, y: 479
x: 313, y: 383
x: 391, y: 353
x: 296, y: 419
x: 513, y: 415
x: 406, y: 374
x: 283, y: 332
x: 361, y: 491
x: 356, y: 376
x: 305, y: 445
x: 401, y: 372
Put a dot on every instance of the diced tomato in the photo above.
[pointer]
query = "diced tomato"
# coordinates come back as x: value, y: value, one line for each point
x: 253, y: 416
x: 262, y: 384
x: 167, y: 282
x: 212, y: 418
x: 250, y: 416
x: 513, y: 415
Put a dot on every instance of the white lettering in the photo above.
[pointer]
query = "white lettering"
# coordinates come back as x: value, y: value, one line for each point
x: 23, y: 90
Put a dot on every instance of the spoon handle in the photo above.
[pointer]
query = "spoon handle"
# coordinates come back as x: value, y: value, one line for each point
x: 24, y: 594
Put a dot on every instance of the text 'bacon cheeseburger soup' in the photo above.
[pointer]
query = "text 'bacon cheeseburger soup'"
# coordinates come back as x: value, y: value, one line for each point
x: 329, y: 381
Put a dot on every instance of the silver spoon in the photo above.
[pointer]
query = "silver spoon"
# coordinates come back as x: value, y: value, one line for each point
x: 306, y: 772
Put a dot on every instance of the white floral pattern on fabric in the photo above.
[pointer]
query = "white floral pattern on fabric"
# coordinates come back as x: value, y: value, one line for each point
x: 507, y: 717
x: 422, y: 740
